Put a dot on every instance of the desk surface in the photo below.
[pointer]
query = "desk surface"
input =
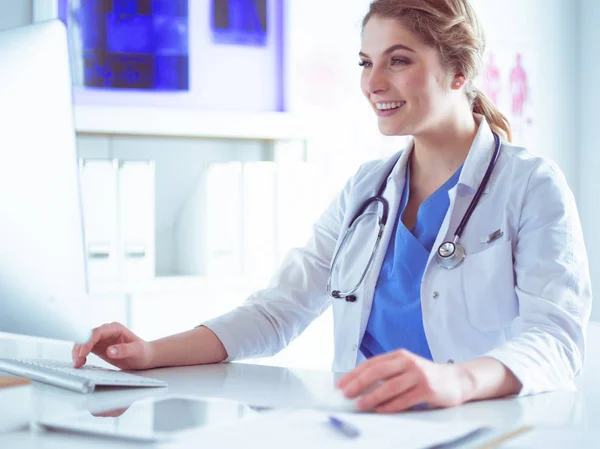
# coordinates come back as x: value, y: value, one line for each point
x: 273, y: 387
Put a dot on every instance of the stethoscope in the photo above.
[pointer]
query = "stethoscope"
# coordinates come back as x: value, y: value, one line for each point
x: 449, y: 255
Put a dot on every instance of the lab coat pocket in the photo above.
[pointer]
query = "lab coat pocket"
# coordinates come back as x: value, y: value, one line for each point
x: 489, y: 288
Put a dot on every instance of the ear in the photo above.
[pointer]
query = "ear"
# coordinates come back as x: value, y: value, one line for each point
x: 458, y: 81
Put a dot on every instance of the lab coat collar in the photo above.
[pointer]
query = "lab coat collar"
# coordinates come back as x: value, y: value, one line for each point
x: 396, y: 166
x: 398, y: 172
x: 479, y: 156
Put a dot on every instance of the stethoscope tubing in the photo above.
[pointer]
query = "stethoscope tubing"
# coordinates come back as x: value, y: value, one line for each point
x: 450, y: 261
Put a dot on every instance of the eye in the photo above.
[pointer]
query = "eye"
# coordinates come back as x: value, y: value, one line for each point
x: 399, y: 61
x: 365, y: 64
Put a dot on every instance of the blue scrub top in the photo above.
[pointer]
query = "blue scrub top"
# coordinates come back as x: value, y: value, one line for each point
x: 396, y: 320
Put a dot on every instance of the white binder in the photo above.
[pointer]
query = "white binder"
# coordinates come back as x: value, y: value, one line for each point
x: 136, y: 206
x: 223, y: 219
x: 190, y: 233
x: 98, y: 180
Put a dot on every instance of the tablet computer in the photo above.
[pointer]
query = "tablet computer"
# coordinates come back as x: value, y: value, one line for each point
x: 154, y: 419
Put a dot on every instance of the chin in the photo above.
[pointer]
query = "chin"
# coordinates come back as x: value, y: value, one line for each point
x: 392, y: 130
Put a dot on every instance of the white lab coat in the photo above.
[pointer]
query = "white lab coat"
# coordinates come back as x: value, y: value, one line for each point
x: 523, y: 299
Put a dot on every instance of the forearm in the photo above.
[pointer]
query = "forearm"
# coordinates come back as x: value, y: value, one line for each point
x: 487, y: 378
x: 198, y: 346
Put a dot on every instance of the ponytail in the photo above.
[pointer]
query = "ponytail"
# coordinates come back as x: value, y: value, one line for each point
x: 497, y: 121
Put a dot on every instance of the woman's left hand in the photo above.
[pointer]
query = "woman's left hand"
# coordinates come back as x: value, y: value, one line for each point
x: 400, y: 380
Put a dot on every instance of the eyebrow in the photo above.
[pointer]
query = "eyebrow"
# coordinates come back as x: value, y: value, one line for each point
x: 391, y: 49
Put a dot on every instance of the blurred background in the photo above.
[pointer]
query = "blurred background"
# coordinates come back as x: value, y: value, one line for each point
x: 212, y: 133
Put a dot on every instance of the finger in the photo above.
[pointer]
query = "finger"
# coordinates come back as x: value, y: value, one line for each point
x: 123, y: 350
x: 87, y: 347
x: 404, y: 401
x: 98, y: 334
x: 388, y: 390
x: 79, y: 362
x: 75, y: 351
x: 385, y: 369
x: 356, y: 372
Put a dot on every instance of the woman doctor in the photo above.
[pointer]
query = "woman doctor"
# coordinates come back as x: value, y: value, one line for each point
x: 476, y: 287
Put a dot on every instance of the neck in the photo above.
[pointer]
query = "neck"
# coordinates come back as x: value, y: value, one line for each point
x: 443, y: 150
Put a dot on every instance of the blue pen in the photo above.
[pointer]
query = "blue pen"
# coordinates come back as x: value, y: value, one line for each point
x: 347, y: 429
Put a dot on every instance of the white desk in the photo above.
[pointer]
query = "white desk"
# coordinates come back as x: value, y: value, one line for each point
x: 277, y: 387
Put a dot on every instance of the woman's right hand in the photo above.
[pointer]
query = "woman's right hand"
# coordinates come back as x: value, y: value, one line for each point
x: 117, y: 345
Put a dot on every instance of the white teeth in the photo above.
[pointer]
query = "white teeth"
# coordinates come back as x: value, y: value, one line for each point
x: 384, y: 106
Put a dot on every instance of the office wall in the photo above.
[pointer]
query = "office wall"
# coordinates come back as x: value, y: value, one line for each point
x: 14, y: 13
x: 547, y: 30
x: 588, y: 83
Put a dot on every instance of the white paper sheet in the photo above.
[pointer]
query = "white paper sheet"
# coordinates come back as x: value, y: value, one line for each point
x: 303, y: 429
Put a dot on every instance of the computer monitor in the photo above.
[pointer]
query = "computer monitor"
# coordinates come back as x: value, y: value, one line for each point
x: 42, y: 261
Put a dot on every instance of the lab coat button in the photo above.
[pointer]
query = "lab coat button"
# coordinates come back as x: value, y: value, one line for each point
x: 354, y: 347
x: 435, y: 295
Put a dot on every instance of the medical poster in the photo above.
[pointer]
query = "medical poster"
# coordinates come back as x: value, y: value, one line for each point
x: 216, y: 55
x: 240, y: 22
x: 126, y: 44
x: 507, y: 79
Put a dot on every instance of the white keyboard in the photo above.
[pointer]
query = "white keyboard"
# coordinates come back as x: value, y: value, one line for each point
x: 82, y: 380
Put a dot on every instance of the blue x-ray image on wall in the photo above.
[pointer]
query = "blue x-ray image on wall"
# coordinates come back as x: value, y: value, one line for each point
x: 239, y: 22
x: 134, y: 44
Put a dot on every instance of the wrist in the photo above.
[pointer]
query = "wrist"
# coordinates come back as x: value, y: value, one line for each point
x: 486, y: 378
x: 151, y: 355
x: 466, y: 381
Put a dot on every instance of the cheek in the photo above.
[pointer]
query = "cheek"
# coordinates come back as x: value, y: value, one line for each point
x: 423, y: 94
x: 415, y: 84
x: 363, y: 84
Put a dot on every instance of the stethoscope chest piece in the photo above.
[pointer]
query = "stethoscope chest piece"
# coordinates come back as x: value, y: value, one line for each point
x: 450, y: 255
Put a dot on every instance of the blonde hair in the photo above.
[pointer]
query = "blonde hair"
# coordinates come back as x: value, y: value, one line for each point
x: 452, y: 28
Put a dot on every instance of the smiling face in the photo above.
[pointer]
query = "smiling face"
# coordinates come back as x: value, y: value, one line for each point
x: 403, y: 79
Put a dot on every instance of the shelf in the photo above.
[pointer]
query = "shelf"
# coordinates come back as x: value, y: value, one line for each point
x: 165, y: 285
x: 168, y: 122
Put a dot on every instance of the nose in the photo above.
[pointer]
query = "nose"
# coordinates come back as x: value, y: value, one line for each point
x: 376, y: 80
